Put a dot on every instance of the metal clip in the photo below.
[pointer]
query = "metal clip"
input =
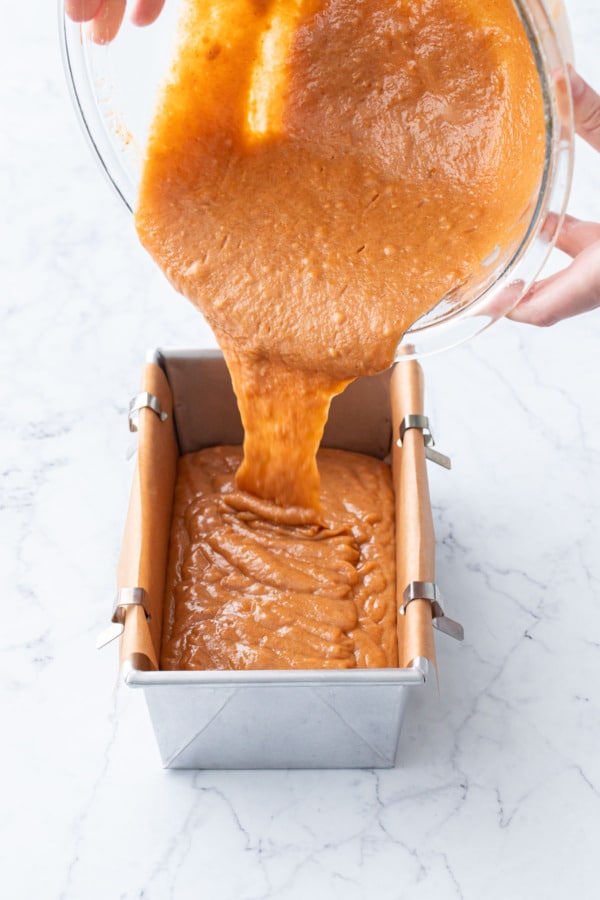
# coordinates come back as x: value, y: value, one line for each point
x: 135, y: 596
x: 145, y: 400
x: 422, y: 424
x: 427, y: 590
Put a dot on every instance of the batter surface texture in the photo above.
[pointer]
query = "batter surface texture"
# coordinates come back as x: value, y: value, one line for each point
x: 253, y: 586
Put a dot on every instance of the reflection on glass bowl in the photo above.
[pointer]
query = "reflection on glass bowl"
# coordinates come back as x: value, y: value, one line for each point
x: 114, y: 90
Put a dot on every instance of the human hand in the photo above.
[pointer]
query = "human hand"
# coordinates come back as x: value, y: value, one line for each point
x: 105, y: 16
x: 576, y: 289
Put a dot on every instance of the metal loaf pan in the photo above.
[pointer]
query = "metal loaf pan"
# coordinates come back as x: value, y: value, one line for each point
x: 246, y: 719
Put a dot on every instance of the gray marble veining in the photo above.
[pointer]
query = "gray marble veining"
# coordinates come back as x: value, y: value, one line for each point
x: 498, y: 794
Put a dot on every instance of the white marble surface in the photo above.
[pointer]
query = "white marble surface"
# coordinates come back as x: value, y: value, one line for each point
x: 498, y: 795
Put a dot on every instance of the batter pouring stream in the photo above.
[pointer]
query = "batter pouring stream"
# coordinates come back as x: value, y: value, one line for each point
x: 319, y: 174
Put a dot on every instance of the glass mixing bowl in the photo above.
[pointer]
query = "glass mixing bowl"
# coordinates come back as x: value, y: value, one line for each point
x: 114, y: 88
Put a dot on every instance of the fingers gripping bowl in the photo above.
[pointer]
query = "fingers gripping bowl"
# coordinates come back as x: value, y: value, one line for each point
x: 115, y: 87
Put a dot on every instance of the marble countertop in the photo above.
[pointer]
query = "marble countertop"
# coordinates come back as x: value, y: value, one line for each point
x: 497, y: 792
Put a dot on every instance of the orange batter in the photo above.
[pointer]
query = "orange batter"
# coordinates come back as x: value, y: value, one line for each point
x: 249, y: 587
x: 318, y: 175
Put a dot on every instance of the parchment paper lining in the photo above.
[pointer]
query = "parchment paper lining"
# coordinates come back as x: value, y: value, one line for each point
x: 144, y: 552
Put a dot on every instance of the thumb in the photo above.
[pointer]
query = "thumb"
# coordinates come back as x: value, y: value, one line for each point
x: 586, y: 109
